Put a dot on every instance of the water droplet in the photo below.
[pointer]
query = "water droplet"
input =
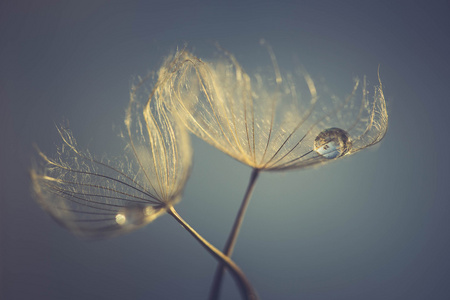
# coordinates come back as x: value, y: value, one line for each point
x: 121, y: 219
x: 135, y: 215
x: 332, y: 143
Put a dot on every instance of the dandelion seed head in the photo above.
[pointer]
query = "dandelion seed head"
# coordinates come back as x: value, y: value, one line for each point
x: 103, y: 198
x: 271, y: 121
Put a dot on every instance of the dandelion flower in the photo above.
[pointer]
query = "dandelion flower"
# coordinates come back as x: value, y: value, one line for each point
x: 272, y: 122
x: 99, y: 198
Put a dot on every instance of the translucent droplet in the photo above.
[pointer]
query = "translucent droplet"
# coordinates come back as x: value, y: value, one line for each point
x: 332, y: 143
x: 135, y: 215
x: 121, y: 219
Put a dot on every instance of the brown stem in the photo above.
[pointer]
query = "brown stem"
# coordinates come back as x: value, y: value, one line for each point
x: 229, y: 246
x: 244, y: 285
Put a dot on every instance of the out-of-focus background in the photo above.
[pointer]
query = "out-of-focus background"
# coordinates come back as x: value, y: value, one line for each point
x: 372, y: 226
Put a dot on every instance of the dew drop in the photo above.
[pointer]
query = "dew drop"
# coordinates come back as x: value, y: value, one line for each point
x: 135, y: 215
x: 332, y: 143
x: 121, y: 219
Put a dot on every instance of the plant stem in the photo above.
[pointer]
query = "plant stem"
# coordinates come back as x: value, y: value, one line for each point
x: 229, y: 246
x: 244, y: 285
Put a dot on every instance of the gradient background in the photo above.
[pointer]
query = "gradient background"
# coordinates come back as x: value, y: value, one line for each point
x: 372, y: 226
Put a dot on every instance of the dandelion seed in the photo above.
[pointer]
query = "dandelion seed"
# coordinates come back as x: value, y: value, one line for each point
x: 271, y: 124
x: 102, y: 198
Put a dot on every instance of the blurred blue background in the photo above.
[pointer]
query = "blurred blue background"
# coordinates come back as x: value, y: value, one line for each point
x: 372, y: 226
